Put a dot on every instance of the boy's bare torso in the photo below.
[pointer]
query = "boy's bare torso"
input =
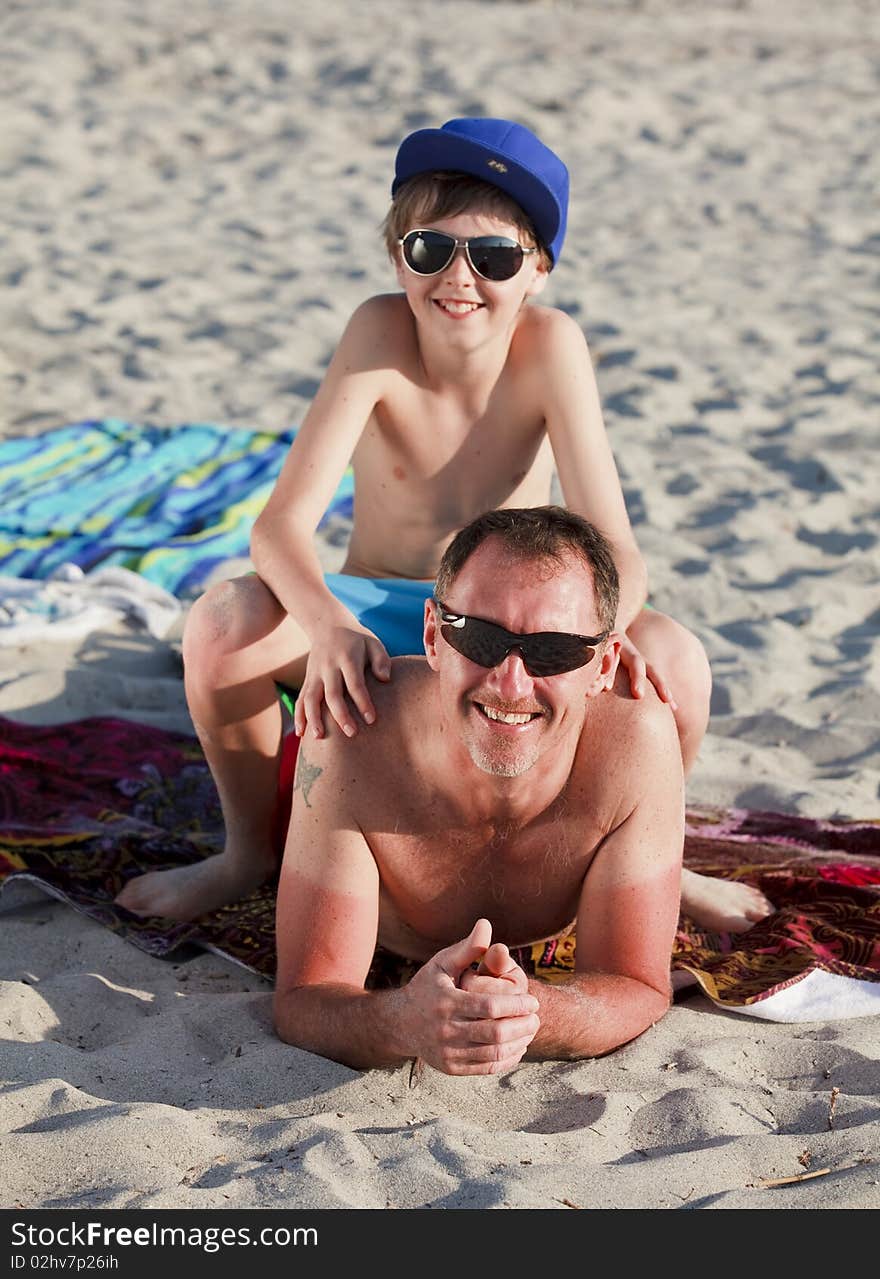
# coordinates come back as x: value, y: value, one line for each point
x: 430, y: 459
x: 441, y: 863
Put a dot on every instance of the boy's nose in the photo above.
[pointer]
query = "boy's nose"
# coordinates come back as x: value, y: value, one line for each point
x: 459, y: 268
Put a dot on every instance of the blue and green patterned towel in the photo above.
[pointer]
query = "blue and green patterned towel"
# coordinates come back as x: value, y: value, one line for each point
x: 169, y: 503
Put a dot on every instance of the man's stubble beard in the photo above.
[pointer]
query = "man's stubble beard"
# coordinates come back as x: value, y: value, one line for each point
x: 489, y: 763
x: 502, y: 763
x: 497, y: 763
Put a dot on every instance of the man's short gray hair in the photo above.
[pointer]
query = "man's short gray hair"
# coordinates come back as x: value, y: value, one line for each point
x: 546, y: 533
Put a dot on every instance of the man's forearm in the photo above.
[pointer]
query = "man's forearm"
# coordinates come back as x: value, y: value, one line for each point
x: 592, y: 1013
x: 359, y: 1028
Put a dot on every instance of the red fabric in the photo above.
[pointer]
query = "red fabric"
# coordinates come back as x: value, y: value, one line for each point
x: 289, y: 752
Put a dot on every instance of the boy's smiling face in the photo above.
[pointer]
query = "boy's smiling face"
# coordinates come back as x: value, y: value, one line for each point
x: 457, y: 305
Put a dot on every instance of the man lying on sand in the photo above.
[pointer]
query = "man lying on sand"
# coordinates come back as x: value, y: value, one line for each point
x: 511, y: 787
x: 453, y: 396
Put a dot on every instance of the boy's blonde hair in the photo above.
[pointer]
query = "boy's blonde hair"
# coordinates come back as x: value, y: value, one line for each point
x: 431, y: 197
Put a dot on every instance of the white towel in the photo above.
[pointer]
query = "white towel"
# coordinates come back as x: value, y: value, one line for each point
x: 71, y: 603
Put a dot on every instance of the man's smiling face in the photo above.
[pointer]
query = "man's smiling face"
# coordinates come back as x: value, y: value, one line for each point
x: 508, y: 719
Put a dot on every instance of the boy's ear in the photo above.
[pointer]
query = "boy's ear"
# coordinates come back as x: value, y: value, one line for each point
x: 539, y: 280
x: 430, y: 634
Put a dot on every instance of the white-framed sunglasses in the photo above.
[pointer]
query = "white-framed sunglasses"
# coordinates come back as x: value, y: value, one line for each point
x: 494, y: 257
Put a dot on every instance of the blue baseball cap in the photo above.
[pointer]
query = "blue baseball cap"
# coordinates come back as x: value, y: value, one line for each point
x: 507, y: 155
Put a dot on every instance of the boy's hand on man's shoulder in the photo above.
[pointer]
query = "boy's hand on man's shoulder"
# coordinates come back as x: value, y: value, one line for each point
x: 335, y: 680
x: 641, y: 674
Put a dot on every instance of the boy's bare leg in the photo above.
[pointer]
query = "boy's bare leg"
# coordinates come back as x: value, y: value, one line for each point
x: 237, y: 640
x: 719, y: 905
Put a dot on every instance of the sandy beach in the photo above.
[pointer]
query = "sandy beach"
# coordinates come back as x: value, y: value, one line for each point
x: 192, y: 209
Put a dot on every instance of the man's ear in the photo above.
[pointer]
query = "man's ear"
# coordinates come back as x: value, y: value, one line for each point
x: 431, y: 634
x: 399, y: 268
x: 606, y: 672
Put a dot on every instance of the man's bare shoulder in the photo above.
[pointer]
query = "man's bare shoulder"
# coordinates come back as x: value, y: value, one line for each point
x: 628, y: 761
x: 355, y: 767
x: 632, y: 739
x: 647, y: 719
x: 405, y: 697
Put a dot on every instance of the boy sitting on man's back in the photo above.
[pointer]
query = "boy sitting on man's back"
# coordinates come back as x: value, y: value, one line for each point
x: 450, y: 398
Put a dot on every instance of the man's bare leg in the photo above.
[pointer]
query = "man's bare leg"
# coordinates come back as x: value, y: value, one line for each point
x: 718, y: 905
x: 237, y: 641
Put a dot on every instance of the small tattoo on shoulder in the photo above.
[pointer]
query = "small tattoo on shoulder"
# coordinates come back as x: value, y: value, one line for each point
x: 306, y: 775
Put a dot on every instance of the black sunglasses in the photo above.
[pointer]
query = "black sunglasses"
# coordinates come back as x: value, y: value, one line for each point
x: 543, y: 652
x: 494, y: 257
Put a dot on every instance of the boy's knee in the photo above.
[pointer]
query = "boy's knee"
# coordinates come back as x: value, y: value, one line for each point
x: 678, y: 654
x: 692, y: 687
x: 226, y: 618
x: 695, y: 662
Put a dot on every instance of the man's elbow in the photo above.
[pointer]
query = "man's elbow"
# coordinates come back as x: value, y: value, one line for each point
x: 281, y: 1016
x: 650, y: 1002
x: 290, y: 1015
x: 662, y: 998
x: 656, y: 1003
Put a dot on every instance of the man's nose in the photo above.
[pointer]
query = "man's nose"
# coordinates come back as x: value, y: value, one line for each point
x: 511, y: 677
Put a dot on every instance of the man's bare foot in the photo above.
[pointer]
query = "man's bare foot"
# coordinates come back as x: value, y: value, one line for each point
x: 185, y: 892
x: 722, y: 905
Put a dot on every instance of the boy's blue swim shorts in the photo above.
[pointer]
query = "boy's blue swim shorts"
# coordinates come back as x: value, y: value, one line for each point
x: 392, y: 608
